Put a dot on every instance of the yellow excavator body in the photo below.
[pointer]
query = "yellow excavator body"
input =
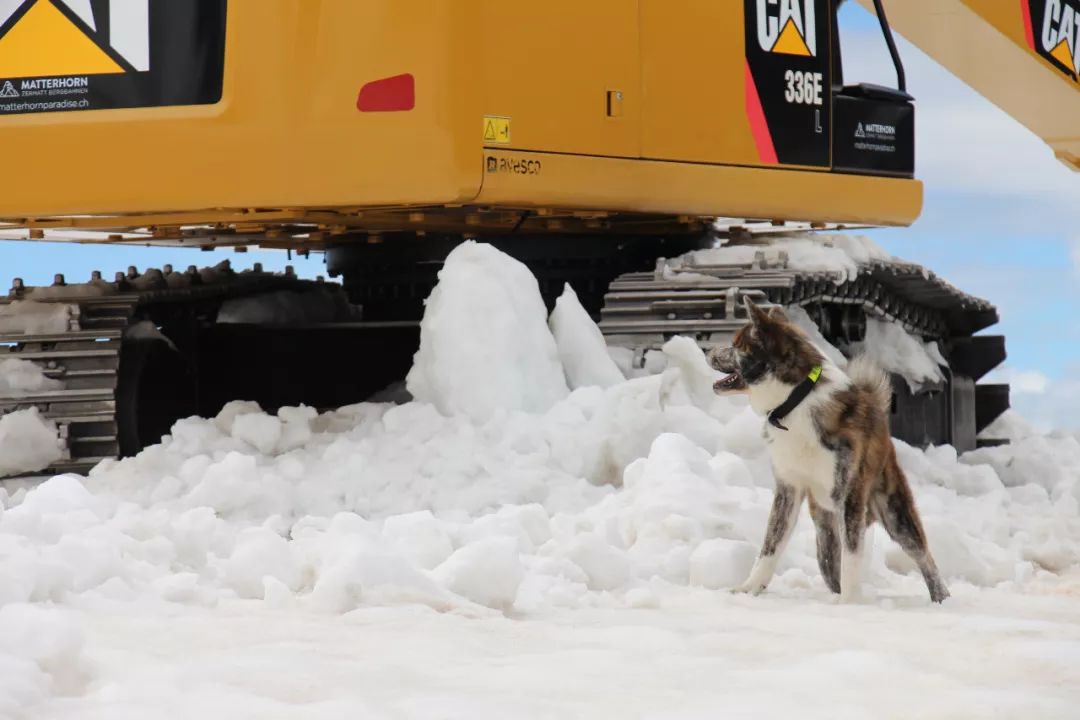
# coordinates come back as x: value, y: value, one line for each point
x: 458, y: 115
x: 576, y: 109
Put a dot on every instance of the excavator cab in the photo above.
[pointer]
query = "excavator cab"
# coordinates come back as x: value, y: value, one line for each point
x: 873, y: 125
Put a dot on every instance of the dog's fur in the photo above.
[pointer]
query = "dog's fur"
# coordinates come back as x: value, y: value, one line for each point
x: 837, y: 453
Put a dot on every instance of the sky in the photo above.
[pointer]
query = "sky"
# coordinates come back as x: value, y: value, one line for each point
x: 1001, y: 220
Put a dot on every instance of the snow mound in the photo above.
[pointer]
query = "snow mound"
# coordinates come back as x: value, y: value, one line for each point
x: 28, y: 442
x: 582, y: 349
x: 21, y: 377
x: 484, y: 340
x: 893, y: 348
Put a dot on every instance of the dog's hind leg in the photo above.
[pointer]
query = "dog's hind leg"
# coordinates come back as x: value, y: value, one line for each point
x: 855, y: 478
x: 853, y: 528
x: 895, y: 506
x: 782, y: 519
x: 828, y: 544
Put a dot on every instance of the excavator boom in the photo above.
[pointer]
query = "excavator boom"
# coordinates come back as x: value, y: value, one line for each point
x: 1022, y: 55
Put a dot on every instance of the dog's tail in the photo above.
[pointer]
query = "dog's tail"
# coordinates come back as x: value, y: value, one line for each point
x: 866, y: 374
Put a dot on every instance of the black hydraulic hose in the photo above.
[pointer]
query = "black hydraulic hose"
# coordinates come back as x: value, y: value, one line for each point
x: 901, y: 80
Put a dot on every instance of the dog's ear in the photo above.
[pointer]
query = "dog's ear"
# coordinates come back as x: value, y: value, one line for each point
x: 758, y: 316
x: 776, y: 313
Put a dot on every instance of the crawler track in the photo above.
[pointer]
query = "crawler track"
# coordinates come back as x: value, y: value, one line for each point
x: 88, y: 357
x: 704, y: 301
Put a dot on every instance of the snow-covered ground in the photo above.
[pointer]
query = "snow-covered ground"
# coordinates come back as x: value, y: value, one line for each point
x: 519, y: 542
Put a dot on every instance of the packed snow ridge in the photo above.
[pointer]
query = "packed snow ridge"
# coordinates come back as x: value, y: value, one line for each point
x: 838, y: 253
x: 526, y: 480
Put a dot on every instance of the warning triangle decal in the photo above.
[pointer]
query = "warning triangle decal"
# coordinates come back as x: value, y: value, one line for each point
x: 44, y: 42
x: 1062, y: 54
x: 489, y: 131
x: 790, y: 41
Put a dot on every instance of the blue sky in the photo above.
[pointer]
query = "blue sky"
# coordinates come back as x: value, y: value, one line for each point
x: 1001, y: 220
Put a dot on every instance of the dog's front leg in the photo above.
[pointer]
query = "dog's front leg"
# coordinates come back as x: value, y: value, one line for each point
x: 782, y: 519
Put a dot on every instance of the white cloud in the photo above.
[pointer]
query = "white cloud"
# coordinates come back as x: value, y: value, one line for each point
x: 1022, y: 382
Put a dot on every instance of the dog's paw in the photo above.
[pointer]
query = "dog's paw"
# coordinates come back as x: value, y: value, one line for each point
x: 852, y: 597
x: 748, y: 588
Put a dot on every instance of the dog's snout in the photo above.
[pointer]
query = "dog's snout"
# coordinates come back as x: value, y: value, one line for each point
x: 722, y: 359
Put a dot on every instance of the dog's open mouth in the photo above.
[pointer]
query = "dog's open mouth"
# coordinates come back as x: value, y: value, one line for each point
x: 729, y: 383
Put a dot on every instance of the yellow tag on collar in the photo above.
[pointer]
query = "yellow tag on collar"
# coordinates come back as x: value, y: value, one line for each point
x: 815, y: 374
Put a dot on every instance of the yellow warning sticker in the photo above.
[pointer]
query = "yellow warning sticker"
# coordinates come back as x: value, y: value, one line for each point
x: 496, y: 130
x: 44, y: 41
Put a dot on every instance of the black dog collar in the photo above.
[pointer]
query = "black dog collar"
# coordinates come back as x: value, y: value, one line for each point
x: 797, y: 396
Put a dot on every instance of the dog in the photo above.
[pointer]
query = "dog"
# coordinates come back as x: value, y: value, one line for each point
x: 829, y: 442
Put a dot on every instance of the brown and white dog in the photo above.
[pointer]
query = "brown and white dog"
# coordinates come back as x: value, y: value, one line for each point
x: 829, y: 441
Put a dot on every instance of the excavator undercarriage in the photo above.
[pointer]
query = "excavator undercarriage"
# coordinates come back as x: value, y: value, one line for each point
x: 139, y: 353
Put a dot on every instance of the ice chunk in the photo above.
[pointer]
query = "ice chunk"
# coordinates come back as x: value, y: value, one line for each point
x: 721, y: 563
x: 487, y: 572
x: 263, y: 432
x: 20, y: 377
x: 420, y: 537
x: 606, y: 566
x: 28, y: 442
x: 484, y: 340
x: 259, y: 554
x: 582, y: 349
x: 233, y: 410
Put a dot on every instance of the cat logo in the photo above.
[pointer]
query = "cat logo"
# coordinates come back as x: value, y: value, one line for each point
x: 1053, y: 30
x: 787, y: 26
x: 57, y: 38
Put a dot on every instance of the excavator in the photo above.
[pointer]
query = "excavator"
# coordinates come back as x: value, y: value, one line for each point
x: 590, y: 140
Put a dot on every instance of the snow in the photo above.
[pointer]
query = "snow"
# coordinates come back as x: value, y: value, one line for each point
x: 28, y: 442
x: 503, y: 558
x: 890, y: 346
x: 24, y: 317
x: 837, y: 253
x: 582, y: 349
x: 484, y: 340
x: 21, y: 377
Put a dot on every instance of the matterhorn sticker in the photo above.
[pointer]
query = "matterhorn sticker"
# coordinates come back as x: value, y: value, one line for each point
x: 8, y: 91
